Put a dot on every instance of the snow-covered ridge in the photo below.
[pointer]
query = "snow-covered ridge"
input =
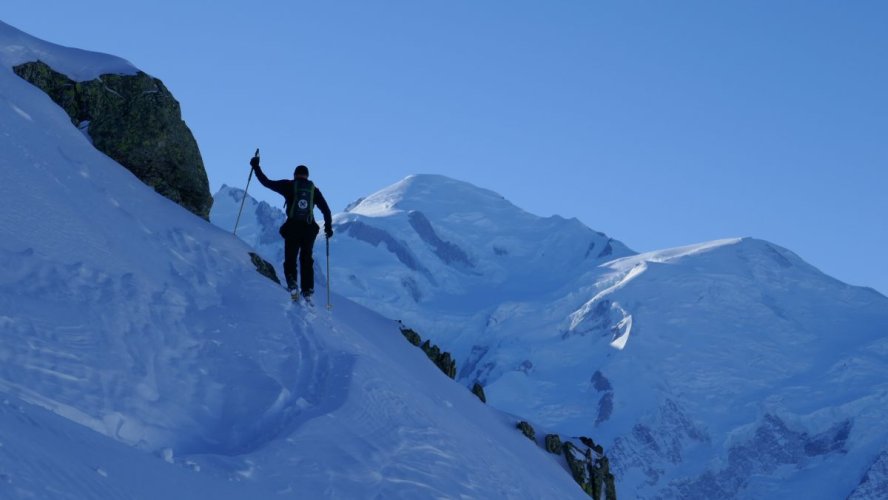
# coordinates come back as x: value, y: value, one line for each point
x: 670, y: 254
x: 729, y: 368
x: 141, y: 336
x: 444, y: 236
x: 18, y: 47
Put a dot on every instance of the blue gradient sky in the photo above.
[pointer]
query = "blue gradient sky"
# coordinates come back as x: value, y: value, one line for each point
x: 660, y: 123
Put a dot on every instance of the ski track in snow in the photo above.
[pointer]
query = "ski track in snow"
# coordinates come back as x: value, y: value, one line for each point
x: 56, y: 355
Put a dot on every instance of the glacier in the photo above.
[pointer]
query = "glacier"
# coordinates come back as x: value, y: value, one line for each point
x: 724, y: 369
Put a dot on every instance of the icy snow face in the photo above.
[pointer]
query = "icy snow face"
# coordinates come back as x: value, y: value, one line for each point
x: 18, y: 47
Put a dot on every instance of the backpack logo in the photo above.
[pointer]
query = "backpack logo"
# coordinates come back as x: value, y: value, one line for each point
x: 303, y: 204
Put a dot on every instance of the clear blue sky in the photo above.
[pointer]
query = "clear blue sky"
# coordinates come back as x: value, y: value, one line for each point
x: 660, y: 123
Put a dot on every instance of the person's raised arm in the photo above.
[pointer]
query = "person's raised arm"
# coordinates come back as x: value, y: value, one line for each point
x: 279, y: 187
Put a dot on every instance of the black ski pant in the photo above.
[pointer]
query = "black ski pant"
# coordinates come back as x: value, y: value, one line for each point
x: 299, y: 242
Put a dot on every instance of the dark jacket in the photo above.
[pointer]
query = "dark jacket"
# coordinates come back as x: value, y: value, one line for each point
x: 284, y: 187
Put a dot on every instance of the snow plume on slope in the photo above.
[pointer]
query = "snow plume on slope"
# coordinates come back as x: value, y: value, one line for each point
x: 600, y: 312
x: 173, y: 369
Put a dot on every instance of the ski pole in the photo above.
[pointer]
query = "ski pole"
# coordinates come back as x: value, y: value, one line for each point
x: 329, y: 305
x: 249, y: 178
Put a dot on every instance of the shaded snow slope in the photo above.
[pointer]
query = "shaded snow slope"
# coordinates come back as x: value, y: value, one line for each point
x: 142, y: 356
x: 729, y: 368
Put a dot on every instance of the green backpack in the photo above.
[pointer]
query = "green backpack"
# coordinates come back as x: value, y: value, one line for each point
x: 302, y: 208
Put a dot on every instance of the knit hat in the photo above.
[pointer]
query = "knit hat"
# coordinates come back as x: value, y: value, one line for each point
x: 301, y: 171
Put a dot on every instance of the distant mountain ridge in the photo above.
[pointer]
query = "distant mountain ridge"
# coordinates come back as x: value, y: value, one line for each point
x: 722, y: 369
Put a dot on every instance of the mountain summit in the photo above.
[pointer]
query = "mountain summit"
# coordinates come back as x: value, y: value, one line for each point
x: 437, y: 195
x: 450, y: 237
x: 729, y: 368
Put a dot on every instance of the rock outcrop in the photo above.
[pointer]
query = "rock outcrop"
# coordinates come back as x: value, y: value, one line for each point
x: 527, y: 430
x: 443, y: 360
x: 553, y: 443
x: 137, y: 122
x: 587, y: 463
x: 590, y: 468
x: 264, y: 268
x: 478, y: 390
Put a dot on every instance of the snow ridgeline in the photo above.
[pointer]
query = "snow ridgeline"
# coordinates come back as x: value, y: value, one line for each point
x: 18, y: 47
x: 723, y: 369
x: 143, y: 356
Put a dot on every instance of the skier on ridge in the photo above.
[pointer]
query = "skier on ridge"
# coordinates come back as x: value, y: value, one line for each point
x: 300, y: 229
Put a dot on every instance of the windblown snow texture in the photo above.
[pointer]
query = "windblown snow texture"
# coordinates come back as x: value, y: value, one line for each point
x: 142, y: 356
x: 730, y: 368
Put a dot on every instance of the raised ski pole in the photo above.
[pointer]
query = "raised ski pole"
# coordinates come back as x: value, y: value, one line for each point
x: 329, y: 305
x: 249, y: 178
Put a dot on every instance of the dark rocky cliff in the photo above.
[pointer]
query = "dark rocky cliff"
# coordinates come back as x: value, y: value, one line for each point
x: 136, y: 121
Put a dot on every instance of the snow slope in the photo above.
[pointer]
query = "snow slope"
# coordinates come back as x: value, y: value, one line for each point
x: 142, y: 356
x: 724, y: 369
